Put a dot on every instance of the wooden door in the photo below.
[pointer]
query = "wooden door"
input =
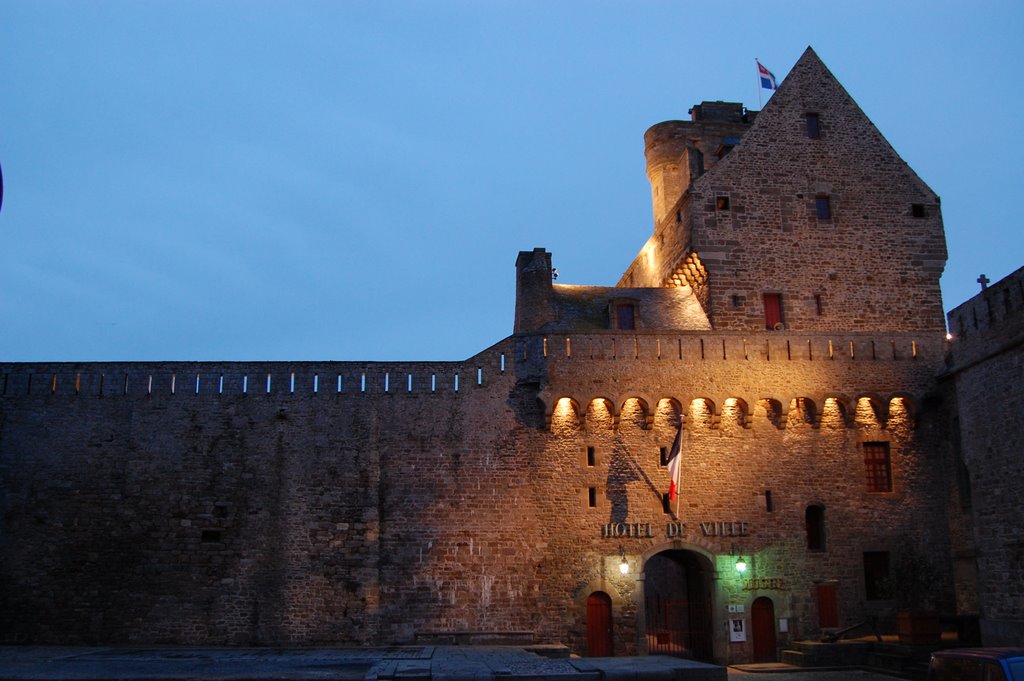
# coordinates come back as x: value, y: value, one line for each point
x: 762, y: 624
x: 828, y: 613
x: 599, y: 625
x: 772, y: 311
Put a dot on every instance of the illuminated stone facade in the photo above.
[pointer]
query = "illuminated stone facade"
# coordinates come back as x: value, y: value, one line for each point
x: 497, y: 498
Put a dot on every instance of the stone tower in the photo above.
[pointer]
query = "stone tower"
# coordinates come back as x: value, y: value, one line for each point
x: 756, y: 210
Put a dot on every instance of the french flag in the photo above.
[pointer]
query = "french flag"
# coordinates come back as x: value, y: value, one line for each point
x: 767, y: 78
x: 673, y: 463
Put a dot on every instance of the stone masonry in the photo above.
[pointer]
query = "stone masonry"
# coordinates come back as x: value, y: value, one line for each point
x: 499, y: 498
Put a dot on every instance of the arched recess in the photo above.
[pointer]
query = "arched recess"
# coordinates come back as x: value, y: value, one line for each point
x: 870, y: 411
x: 771, y: 411
x: 834, y: 413
x: 702, y: 414
x: 903, y: 411
x: 667, y: 413
x: 802, y: 412
x: 601, y: 414
x: 677, y: 597
x: 735, y: 415
x: 634, y: 414
x: 565, y: 417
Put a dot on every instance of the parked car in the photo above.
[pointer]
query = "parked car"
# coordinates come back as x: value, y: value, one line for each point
x: 977, y: 664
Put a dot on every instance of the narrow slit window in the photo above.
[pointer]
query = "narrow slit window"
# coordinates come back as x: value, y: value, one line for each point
x: 823, y: 206
x: 592, y: 497
x: 591, y: 457
x: 813, y: 126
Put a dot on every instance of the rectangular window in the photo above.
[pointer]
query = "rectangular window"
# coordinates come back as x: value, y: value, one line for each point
x: 721, y: 203
x: 773, y: 311
x: 878, y: 466
x: 876, y: 575
x: 813, y: 126
x: 769, y: 503
x: 592, y: 497
x: 666, y: 503
x: 819, y: 305
x: 591, y: 456
x: 917, y: 210
x: 625, y: 316
x: 664, y: 456
x: 823, y: 207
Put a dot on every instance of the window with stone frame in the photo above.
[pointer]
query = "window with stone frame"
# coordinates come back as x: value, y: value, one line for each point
x: 878, y: 466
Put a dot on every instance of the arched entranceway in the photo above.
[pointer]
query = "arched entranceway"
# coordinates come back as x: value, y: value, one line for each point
x: 599, y: 624
x: 677, y: 604
x: 762, y: 626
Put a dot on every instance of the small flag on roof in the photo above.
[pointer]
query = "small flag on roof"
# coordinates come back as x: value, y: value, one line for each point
x: 767, y: 77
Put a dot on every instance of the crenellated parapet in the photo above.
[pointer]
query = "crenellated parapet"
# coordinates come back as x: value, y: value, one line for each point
x: 255, y: 379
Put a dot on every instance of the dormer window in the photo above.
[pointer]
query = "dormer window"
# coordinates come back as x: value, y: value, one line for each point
x: 624, y: 316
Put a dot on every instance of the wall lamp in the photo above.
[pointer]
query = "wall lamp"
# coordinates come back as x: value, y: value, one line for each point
x: 623, y: 565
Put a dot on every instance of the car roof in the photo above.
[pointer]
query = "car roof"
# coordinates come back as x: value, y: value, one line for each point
x: 981, y: 653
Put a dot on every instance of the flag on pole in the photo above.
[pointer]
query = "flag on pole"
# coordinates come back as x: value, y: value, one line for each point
x: 673, y: 463
x: 767, y: 78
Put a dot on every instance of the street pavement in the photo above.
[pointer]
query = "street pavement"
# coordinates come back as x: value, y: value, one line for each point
x: 403, y: 663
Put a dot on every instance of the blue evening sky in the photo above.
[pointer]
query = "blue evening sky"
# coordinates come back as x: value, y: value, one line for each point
x: 269, y: 180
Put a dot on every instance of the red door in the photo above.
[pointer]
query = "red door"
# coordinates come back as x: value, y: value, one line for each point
x: 599, y: 624
x: 772, y: 311
x: 762, y: 622
x: 828, y: 613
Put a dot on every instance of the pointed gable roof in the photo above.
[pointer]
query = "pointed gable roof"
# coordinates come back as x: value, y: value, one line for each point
x: 810, y: 87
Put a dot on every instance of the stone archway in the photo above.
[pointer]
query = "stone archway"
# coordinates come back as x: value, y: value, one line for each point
x: 678, y: 600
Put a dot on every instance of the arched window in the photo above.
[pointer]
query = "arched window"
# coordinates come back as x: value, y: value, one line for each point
x: 815, y: 520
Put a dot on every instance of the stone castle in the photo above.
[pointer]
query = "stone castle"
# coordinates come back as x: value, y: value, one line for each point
x: 783, y: 323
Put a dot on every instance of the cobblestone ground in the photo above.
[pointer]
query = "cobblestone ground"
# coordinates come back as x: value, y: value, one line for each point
x: 844, y: 675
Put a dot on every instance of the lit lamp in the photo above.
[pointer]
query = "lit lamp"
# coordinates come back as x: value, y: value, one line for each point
x: 741, y: 565
x: 623, y: 566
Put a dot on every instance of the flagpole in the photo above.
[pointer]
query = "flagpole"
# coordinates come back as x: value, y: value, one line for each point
x: 757, y: 72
